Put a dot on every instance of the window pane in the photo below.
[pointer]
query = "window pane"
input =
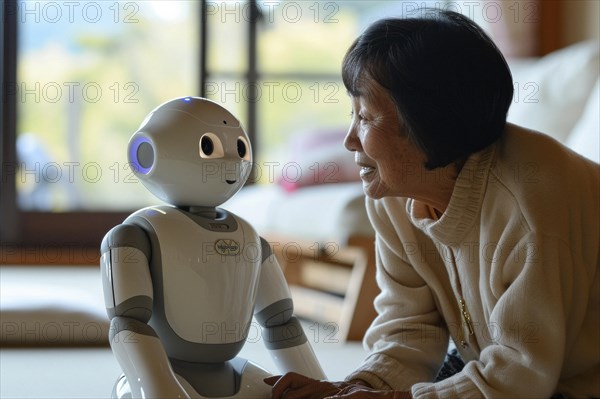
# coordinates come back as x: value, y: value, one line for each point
x: 227, y: 24
x: 313, y: 36
x: 288, y: 108
x: 88, y: 73
x: 301, y: 46
x: 305, y: 36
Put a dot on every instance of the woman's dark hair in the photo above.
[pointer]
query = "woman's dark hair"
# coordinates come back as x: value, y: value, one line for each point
x: 450, y: 83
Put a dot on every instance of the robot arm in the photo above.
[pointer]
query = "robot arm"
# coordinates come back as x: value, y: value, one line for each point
x: 282, y: 332
x: 128, y: 296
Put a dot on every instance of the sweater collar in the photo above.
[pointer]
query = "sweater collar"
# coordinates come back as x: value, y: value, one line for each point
x: 465, y: 202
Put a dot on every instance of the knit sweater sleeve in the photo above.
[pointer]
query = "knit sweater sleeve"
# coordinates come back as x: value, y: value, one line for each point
x: 408, y: 339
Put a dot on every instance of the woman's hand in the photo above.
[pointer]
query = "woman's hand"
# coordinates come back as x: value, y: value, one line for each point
x: 296, y: 386
x: 362, y: 392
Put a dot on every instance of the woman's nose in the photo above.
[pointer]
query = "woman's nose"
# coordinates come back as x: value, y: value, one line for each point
x: 351, y: 141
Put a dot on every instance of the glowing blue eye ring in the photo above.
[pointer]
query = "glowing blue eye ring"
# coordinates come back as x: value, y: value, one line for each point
x: 134, y: 147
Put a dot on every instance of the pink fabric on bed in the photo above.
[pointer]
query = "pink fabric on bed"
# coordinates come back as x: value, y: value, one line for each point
x: 319, y: 158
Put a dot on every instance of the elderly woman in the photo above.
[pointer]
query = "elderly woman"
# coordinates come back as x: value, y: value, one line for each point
x: 487, y: 234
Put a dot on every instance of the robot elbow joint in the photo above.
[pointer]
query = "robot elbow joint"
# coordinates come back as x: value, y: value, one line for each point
x: 138, y: 307
x: 276, y: 314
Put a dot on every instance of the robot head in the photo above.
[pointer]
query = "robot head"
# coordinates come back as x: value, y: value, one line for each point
x: 191, y: 151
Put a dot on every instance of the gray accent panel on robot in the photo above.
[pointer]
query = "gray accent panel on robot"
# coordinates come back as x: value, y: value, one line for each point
x: 265, y: 248
x: 126, y: 235
x: 284, y: 336
x: 175, y: 346
x: 212, y: 379
x: 118, y: 324
x: 139, y: 307
x: 277, y: 313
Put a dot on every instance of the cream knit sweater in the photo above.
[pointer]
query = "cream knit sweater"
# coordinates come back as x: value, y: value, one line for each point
x: 509, y: 272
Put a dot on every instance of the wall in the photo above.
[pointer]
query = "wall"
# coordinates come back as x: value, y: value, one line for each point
x: 580, y: 20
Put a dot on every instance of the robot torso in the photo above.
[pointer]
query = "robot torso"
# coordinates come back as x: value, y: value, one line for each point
x: 205, y: 274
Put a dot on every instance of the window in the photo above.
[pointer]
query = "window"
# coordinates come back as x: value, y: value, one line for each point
x: 79, y: 77
x: 87, y: 74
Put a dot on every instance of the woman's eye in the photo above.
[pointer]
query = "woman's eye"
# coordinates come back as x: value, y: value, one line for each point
x: 358, y: 116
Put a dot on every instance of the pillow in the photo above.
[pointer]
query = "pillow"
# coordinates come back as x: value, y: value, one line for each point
x: 318, y: 158
x: 52, y: 306
x: 550, y: 94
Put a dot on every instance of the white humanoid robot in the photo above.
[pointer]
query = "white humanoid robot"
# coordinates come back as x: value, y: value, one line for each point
x: 183, y: 281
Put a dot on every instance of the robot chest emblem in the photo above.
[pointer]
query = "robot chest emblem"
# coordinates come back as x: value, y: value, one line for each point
x: 227, y: 247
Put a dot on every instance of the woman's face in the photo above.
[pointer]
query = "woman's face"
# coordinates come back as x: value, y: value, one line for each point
x: 391, y: 164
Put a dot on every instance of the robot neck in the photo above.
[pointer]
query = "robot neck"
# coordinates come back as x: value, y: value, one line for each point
x: 208, y: 212
x: 210, y: 218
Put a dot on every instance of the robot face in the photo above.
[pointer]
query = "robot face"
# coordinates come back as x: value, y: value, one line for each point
x: 191, y: 152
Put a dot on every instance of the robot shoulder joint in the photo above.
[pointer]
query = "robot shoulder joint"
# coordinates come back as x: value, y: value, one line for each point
x: 127, y: 235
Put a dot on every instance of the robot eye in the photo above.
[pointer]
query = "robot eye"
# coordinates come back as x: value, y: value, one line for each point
x: 141, y: 154
x: 243, y: 148
x: 211, y: 146
x: 206, y: 145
